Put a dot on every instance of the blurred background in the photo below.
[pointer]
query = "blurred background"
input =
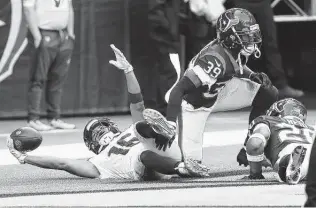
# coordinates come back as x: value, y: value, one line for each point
x: 94, y: 87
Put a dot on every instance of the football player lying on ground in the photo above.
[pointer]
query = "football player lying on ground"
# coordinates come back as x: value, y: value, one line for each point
x: 129, y: 154
x: 218, y: 79
x: 284, y: 138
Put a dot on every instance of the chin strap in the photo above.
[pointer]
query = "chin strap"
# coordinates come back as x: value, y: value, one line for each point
x: 241, y: 68
x: 257, y: 52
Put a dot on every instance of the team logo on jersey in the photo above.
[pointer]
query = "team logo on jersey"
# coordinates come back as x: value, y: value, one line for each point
x: 14, y: 30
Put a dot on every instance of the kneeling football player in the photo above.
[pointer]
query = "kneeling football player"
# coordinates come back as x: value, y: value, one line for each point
x: 283, y: 137
x: 136, y: 153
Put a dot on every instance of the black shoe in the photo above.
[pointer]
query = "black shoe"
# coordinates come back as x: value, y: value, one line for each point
x: 242, y: 159
x: 288, y: 91
x: 254, y: 177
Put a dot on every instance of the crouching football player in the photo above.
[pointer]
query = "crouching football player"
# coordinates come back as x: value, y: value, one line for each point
x: 283, y: 137
x: 136, y: 153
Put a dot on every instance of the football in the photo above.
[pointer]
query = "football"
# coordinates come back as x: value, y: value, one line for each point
x: 26, y: 139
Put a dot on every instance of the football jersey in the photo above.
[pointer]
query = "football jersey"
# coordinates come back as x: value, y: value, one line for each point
x: 120, y: 159
x: 214, y: 67
x: 283, y: 131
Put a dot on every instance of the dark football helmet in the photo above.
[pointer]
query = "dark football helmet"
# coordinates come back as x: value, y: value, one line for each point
x: 238, y: 31
x: 98, y: 129
x: 288, y: 107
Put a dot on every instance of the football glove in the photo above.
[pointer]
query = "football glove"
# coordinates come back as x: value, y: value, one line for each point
x: 121, y: 62
x: 20, y: 156
x: 260, y: 78
x: 162, y: 142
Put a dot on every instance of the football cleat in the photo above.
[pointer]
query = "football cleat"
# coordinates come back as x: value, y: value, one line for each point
x: 18, y: 155
x: 192, y: 168
x: 242, y: 159
x: 159, y: 123
x: 196, y: 169
x: 293, y: 169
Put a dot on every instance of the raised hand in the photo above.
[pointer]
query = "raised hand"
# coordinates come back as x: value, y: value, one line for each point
x: 120, y: 62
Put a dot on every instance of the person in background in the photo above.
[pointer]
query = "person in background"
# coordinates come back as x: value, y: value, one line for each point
x: 310, y: 187
x: 164, y: 34
x: 168, y: 19
x: 51, y: 23
x: 271, y: 57
x: 201, y: 29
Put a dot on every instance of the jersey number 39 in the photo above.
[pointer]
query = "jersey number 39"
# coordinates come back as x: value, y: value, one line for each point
x: 212, y: 70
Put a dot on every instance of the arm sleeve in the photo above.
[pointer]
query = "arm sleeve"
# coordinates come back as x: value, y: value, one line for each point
x: 184, y: 86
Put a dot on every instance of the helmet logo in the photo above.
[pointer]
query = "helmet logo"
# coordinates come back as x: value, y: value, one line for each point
x: 231, y: 22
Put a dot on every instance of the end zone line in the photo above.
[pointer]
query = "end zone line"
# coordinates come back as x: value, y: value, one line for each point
x: 79, y: 150
x: 54, y: 131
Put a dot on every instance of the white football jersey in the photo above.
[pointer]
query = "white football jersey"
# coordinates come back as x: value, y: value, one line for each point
x: 120, y: 159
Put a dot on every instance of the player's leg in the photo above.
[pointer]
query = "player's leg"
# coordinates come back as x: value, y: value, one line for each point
x: 295, y: 170
x: 190, y: 134
x: 82, y: 168
x: 310, y: 188
x: 166, y: 161
x: 292, y: 163
x: 191, y: 126
x: 171, y: 166
x: 264, y: 98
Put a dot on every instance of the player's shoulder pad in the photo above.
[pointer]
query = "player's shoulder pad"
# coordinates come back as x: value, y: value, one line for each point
x: 268, y: 120
x: 212, y: 63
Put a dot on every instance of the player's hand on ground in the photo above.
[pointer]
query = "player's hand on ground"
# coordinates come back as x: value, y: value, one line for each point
x: 260, y: 78
x: 120, y: 62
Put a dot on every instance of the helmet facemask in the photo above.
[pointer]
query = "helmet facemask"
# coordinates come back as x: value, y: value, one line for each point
x: 247, y: 42
x: 100, y: 133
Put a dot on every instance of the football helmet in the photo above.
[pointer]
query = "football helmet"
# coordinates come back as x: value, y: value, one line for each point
x: 238, y: 31
x: 288, y: 107
x: 98, y: 133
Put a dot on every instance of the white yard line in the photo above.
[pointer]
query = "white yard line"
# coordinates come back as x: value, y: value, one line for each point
x: 281, y: 195
x: 54, y: 131
x: 79, y: 150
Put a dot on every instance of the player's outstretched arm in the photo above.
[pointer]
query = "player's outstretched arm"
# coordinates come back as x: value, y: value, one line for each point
x: 134, y: 92
x: 81, y: 168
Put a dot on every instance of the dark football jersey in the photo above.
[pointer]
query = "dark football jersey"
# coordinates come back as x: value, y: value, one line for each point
x: 283, y: 132
x: 216, y: 67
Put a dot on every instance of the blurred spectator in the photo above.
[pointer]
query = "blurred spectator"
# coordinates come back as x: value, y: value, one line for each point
x: 164, y: 32
x: 202, y: 18
x: 168, y: 19
x: 310, y: 187
x: 271, y: 58
x: 51, y: 24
